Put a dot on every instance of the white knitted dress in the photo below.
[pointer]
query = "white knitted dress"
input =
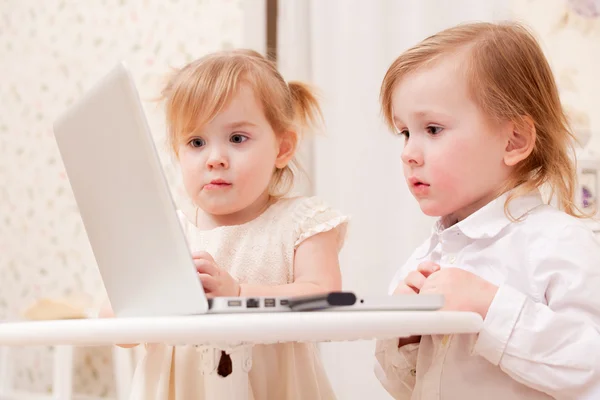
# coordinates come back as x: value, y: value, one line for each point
x: 259, y: 252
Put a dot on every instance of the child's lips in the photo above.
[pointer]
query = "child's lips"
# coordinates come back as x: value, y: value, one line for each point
x: 416, y: 182
x: 217, y: 184
x: 418, y: 187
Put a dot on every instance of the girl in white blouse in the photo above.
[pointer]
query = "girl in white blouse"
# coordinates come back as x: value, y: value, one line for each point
x: 234, y: 126
x: 484, y: 131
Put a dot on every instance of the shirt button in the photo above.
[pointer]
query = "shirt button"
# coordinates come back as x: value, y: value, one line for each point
x: 413, y: 372
x: 445, y: 340
x: 452, y: 259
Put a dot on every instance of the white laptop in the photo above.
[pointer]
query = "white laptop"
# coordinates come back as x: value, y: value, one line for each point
x: 131, y: 221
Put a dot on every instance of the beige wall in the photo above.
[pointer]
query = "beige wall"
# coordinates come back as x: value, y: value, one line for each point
x: 50, y: 52
x: 572, y: 44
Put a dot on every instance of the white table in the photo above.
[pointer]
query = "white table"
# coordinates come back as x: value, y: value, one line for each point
x: 236, y: 333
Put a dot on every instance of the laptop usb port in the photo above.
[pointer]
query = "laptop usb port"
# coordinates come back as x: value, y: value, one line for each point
x: 269, y: 302
x: 234, y: 303
x: 252, y: 303
x: 284, y: 302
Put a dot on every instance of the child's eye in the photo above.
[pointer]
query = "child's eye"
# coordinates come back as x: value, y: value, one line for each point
x: 197, y: 142
x: 434, y: 130
x: 237, y: 138
x: 404, y: 132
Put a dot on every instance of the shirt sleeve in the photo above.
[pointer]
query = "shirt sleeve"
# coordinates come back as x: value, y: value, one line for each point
x: 551, y: 346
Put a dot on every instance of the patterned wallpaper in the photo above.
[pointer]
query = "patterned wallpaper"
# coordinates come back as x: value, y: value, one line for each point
x: 50, y: 52
x: 570, y: 34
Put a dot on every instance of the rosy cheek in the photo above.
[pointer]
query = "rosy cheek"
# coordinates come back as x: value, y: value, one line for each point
x: 442, y: 174
x: 188, y: 171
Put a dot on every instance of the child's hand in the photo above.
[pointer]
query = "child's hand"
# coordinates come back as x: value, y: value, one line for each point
x: 416, y: 279
x: 412, y: 285
x: 462, y: 290
x: 216, y: 281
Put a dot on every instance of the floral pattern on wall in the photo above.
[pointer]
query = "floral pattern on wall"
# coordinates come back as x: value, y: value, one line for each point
x: 585, y: 8
x: 51, y: 51
x: 569, y: 31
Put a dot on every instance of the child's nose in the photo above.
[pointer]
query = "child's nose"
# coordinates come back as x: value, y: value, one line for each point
x: 217, y: 159
x: 412, y: 154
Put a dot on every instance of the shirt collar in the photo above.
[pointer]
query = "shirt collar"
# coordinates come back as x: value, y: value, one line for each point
x: 490, y: 220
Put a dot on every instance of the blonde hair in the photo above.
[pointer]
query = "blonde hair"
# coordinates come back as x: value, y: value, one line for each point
x: 196, y: 93
x: 510, y: 79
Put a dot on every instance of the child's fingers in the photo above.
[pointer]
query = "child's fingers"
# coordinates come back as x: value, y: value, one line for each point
x: 202, y: 255
x: 415, y: 280
x: 402, y: 288
x: 208, y: 282
x: 430, y: 286
x: 206, y: 267
x: 427, y: 268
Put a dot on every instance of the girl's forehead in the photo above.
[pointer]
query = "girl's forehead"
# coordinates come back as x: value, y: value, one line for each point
x: 197, y: 114
x: 438, y: 77
x: 429, y: 90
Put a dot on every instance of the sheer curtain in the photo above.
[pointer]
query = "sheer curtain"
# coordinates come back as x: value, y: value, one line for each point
x: 344, y: 47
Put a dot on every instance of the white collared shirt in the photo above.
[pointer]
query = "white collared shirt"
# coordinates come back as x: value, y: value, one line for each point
x: 541, y: 336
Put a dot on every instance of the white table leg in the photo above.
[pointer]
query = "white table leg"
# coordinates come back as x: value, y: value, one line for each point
x: 235, y: 386
x: 123, y: 371
x: 5, y: 371
x: 62, y: 387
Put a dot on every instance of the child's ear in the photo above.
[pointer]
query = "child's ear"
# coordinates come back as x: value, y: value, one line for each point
x: 521, y: 141
x: 287, y: 148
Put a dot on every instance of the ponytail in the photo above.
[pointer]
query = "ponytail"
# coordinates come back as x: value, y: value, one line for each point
x: 307, y: 113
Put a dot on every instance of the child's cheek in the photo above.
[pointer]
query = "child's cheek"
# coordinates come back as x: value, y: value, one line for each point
x: 443, y: 175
